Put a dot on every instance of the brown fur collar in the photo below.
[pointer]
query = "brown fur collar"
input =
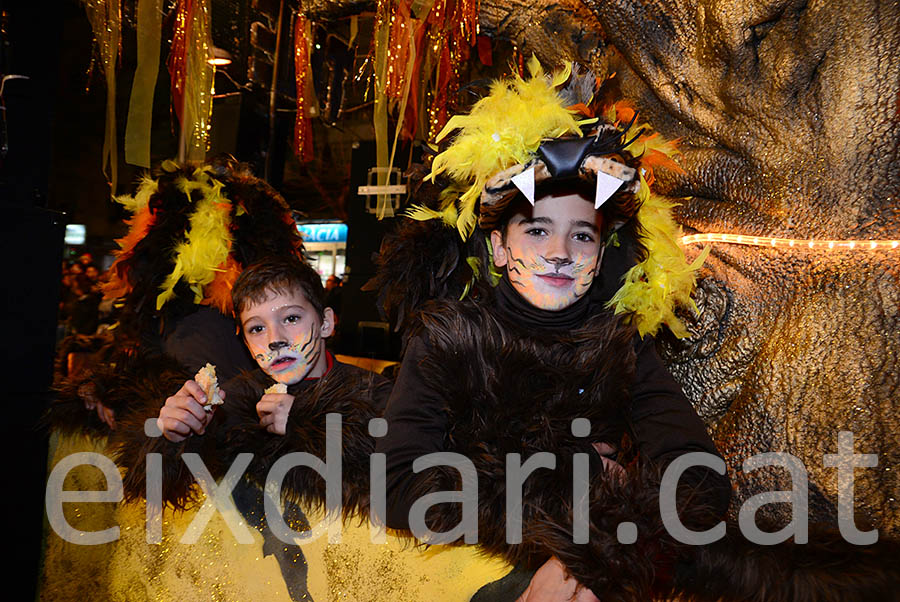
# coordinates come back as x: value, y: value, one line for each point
x: 519, y: 390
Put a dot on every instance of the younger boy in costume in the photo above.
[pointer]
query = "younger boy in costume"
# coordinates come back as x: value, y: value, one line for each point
x: 279, y: 306
x: 193, y: 228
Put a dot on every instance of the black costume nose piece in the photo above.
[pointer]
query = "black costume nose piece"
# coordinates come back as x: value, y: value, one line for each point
x: 276, y: 345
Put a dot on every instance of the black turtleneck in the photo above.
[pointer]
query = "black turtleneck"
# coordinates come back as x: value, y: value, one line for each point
x: 516, y: 309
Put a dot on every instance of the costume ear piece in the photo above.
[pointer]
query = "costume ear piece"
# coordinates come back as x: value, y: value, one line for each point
x: 607, y: 185
x: 525, y: 183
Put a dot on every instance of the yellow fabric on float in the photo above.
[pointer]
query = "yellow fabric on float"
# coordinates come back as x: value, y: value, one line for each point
x: 219, y: 568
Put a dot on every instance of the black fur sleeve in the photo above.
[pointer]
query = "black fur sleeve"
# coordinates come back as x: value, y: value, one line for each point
x: 131, y: 444
x: 416, y: 427
x: 665, y: 426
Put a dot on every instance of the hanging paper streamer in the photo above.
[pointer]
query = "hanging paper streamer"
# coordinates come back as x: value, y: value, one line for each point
x: 303, y: 143
x: 140, y: 105
x: 418, y: 48
x: 192, y: 76
x: 105, y: 17
x: 381, y: 43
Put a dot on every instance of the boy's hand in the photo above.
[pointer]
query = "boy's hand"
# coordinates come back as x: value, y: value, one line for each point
x: 612, y: 467
x: 88, y: 393
x: 183, y: 413
x: 273, y: 410
x: 551, y: 583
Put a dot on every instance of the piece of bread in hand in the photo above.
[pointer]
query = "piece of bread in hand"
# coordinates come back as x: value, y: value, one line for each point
x: 276, y: 388
x: 208, y: 381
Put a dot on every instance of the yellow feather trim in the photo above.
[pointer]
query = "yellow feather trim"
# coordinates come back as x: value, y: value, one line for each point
x: 205, y: 251
x: 507, y: 127
x: 664, y: 280
x: 448, y: 215
x: 146, y: 189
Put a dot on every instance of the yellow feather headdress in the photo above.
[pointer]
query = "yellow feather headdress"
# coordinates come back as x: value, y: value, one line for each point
x: 507, y: 128
x: 504, y: 128
x: 203, y: 254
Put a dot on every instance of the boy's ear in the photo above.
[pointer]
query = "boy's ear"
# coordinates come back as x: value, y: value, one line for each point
x: 499, y: 251
x: 327, y: 328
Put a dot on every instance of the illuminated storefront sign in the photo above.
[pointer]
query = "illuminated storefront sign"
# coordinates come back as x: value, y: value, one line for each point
x: 331, y: 232
x: 75, y: 234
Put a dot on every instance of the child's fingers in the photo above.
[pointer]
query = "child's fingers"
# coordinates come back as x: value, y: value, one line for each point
x: 192, y: 389
x: 264, y: 407
x: 107, y: 415
x: 188, y: 404
x: 187, y: 418
x: 172, y: 429
x: 604, y: 449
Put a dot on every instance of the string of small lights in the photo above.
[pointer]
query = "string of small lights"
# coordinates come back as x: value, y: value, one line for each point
x: 793, y: 243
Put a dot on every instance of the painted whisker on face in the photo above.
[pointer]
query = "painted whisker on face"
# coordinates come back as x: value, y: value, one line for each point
x: 309, y: 341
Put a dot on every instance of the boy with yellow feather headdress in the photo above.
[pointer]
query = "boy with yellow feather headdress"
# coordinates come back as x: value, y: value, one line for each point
x: 529, y: 291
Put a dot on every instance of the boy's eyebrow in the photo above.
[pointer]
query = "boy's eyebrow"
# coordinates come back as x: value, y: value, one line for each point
x: 580, y: 223
x: 288, y: 306
x: 280, y: 307
x: 577, y: 223
x: 536, y: 220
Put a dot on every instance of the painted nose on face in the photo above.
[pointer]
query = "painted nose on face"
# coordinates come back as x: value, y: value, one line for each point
x: 557, y: 253
x: 558, y: 262
x: 276, y: 345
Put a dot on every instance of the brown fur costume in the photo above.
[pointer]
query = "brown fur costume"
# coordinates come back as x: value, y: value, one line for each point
x: 357, y: 395
x: 508, y: 391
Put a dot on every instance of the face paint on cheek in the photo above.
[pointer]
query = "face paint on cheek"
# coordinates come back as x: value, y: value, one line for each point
x: 304, y: 351
x: 584, y: 271
x: 525, y: 276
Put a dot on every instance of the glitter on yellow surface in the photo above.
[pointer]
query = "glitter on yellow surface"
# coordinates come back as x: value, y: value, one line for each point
x: 218, y: 568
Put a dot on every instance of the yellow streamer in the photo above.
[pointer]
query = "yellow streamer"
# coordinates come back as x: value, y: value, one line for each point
x: 140, y: 106
x: 198, y: 84
x: 382, y: 35
x: 105, y: 17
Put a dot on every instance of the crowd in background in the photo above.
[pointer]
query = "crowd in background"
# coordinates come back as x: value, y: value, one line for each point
x: 82, y: 310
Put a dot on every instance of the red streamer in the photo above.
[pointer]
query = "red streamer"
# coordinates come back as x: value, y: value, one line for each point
x: 303, y: 144
x: 178, y: 54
